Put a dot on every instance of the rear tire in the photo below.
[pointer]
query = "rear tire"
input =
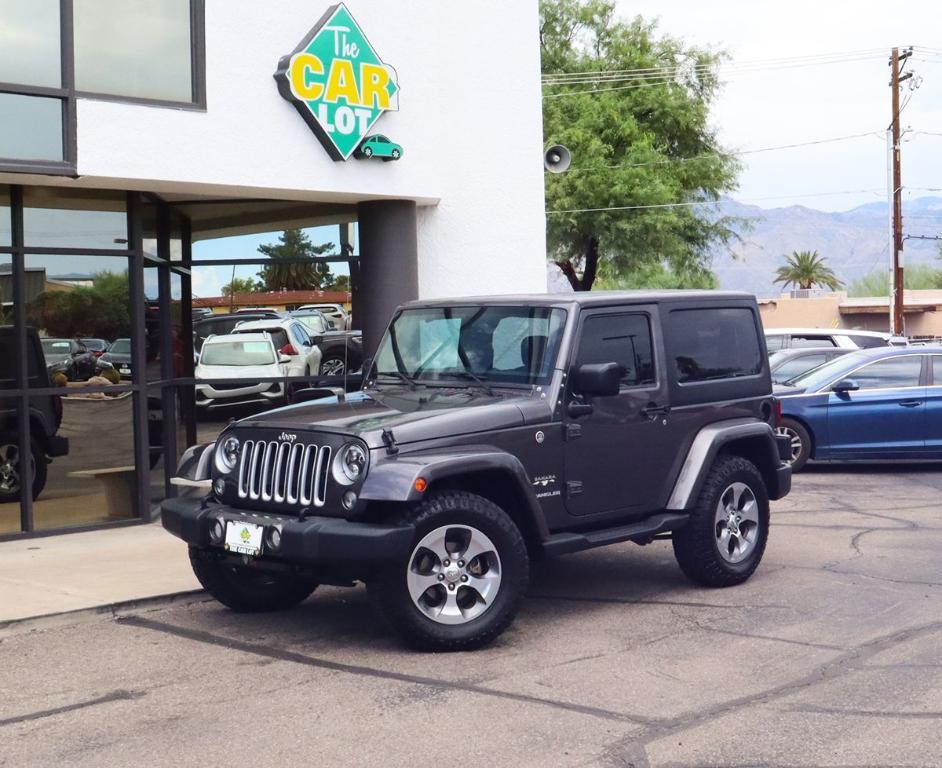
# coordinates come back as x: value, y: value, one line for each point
x: 12, y: 470
x: 723, y: 542
x: 464, y: 577
x: 247, y: 590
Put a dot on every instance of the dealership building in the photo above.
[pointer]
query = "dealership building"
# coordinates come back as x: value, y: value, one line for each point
x: 136, y: 135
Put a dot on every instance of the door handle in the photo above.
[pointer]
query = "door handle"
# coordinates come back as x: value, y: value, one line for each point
x: 654, y: 411
x: 910, y: 403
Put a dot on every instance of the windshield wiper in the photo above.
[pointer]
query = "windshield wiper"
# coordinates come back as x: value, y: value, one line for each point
x: 398, y: 375
x: 477, y: 380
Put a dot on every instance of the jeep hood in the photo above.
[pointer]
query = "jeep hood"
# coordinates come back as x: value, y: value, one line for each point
x: 422, y: 414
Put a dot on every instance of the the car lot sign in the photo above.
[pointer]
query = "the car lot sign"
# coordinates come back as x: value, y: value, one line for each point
x: 337, y: 82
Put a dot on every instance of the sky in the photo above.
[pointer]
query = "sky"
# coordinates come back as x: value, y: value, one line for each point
x: 771, y: 107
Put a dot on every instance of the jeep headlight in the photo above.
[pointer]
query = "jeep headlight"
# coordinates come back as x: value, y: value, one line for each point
x: 227, y: 454
x: 350, y: 465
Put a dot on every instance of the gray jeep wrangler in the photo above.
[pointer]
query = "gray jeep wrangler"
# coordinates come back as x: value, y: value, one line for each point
x: 489, y: 432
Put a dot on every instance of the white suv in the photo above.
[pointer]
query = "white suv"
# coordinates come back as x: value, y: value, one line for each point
x: 229, y: 367
x: 292, y: 340
x: 335, y: 313
x: 842, y: 338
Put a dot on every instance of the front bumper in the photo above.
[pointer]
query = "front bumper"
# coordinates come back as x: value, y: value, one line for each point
x: 338, y: 548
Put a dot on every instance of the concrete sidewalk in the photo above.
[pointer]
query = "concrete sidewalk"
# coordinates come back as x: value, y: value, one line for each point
x: 77, y: 571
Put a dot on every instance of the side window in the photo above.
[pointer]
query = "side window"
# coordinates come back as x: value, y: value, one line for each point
x: 622, y: 339
x: 888, y: 374
x: 937, y: 370
x: 712, y: 344
x: 802, y: 342
x: 775, y: 343
x: 300, y: 336
x: 867, y: 342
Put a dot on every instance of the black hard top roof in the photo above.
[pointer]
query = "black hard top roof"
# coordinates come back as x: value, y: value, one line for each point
x: 588, y: 298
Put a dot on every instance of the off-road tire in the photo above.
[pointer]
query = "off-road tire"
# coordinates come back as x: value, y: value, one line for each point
x: 390, y: 593
x: 804, y: 436
x: 40, y: 469
x: 695, y: 545
x: 246, y: 590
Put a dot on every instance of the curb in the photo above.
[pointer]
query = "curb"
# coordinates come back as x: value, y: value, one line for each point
x: 107, y: 611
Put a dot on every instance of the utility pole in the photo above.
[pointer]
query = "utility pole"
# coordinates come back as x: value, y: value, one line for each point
x: 896, y: 194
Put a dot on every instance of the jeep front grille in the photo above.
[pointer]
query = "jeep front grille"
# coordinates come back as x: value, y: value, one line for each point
x: 284, y: 473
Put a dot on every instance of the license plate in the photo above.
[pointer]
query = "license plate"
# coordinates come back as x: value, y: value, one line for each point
x: 124, y: 370
x: 244, y: 538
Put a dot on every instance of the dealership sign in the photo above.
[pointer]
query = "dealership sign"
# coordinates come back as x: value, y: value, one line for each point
x: 338, y: 83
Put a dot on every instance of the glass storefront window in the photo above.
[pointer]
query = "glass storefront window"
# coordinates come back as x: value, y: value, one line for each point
x: 65, y: 218
x: 11, y: 464
x: 30, y: 128
x: 29, y: 43
x: 80, y: 305
x: 95, y: 481
x: 140, y: 49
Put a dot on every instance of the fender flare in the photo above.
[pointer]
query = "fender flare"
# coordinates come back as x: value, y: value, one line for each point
x: 394, y: 479
x: 703, y: 452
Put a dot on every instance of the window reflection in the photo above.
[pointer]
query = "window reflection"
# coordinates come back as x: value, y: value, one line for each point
x: 6, y: 221
x: 148, y: 54
x: 30, y: 128
x: 29, y: 43
x: 80, y: 305
x: 11, y: 465
x: 95, y: 481
x: 60, y: 218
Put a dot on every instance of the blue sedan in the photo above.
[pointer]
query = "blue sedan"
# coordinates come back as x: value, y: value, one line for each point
x: 875, y: 404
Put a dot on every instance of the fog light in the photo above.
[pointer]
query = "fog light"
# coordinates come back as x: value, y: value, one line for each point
x: 218, y: 531
x: 349, y: 499
x: 219, y: 487
x: 274, y: 537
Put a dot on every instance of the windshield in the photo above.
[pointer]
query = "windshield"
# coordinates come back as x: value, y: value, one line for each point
x: 237, y: 353
x: 314, y: 323
x: 121, y: 347
x: 827, y: 372
x: 492, y: 344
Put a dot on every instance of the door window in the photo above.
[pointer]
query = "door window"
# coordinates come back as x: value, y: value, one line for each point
x: 890, y: 374
x: 622, y: 339
x: 774, y: 343
x: 937, y: 370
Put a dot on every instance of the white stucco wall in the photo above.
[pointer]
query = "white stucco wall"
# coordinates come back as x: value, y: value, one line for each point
x: 469, y: 121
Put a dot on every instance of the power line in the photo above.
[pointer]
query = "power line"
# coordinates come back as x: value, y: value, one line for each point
x: 710, y: 202
x: 705, y: 155
x: 755, y: 64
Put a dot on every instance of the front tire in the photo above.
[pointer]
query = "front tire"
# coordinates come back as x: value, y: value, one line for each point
x: 800, y: 440
x: 247, y: 590
x: 12, y: 470
x: 723, y: 542
x: 462, y: 582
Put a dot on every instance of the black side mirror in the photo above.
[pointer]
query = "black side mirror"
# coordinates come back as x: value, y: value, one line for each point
x: 597, y: 379
x: 845, y: 385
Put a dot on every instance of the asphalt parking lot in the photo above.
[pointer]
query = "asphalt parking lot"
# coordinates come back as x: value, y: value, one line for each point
x: 829, y: 656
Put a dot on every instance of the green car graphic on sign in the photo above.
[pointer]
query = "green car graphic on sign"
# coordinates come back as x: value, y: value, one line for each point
x: 379, y: 146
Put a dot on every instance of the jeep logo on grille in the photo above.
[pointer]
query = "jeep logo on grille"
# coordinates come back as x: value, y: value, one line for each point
x: 287, y: 437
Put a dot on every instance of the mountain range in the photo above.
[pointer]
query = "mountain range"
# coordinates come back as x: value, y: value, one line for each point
x: 854, y: 242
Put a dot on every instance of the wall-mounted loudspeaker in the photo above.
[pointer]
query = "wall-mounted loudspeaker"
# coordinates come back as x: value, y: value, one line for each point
x: 557, y: 159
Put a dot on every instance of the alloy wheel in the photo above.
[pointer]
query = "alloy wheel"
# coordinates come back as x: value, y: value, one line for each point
x: 736, y: 523
x: 332, y: 367
x: 794, y: 440
x: 454, y: 574
x: 9, y: 469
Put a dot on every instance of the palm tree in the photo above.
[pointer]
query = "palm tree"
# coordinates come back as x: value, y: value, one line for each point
x: 806, y: 269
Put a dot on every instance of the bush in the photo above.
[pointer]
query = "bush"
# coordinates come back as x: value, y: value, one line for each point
x: 112, y: 375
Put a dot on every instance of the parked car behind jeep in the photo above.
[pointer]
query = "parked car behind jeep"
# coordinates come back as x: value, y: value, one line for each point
x: 491, y: 431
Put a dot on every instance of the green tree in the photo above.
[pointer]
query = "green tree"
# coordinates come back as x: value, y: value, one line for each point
x: 806, y: 269
x: 294, y: 265
x: 338, y: 283
x: 915, y: 277
x: 634, y: 143
x: 241, y: 285
x: 102, y: 310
